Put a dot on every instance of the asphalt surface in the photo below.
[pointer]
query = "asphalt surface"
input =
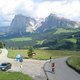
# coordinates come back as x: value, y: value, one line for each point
x: 33, y: 68
x: 41, y: 70
x: 62, y: 71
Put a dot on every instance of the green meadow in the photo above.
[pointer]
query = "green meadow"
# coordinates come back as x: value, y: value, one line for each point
x: 73, y: 40
x: 61, y: 30
x: 13, y: 76
x: 21, y: 39
x: 40, y: 42
x: 43, y: 54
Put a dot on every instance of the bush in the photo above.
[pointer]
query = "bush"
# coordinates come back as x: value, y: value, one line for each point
x: 1, y: 45
x: 30, y: 51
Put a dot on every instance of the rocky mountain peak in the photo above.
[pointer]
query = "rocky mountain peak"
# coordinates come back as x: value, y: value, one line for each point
x: 53, y: 21
x: 21, y: 24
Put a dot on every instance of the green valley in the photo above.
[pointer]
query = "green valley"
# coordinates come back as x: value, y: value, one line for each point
x: 52, y: 39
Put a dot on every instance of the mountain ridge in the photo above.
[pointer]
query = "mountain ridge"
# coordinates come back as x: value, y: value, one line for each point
x: 22, y: 24
x: 51, y: 33
x: 52, y: 22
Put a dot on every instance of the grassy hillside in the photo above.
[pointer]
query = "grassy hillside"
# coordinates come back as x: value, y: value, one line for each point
x: 40, y: 42
x: 62, y: 30
x: 52, y: 39
x: 21, y: 39
x: 73, y: 40
x: 43, y: 54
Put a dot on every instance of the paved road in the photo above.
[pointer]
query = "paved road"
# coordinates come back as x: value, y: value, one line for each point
x: 62, y: 71
x: 3, y: 56
x: 34, y: 68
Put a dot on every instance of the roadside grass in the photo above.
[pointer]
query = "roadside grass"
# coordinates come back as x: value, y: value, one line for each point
x: 42, y: 54
x: 0, y: 51
x: 74, y: 61
x: 13, y: 53
x: 13, y: 76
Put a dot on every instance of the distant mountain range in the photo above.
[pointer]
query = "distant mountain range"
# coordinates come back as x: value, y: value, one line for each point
x: 52, y: 22
x: 53, y: 32
x: 22, y: 24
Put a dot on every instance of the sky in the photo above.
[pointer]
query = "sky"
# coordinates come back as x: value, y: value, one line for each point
x: 69, y: 9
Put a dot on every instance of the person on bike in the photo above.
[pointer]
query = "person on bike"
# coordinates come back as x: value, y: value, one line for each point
x: 50, y: 58
x: 53, y: 67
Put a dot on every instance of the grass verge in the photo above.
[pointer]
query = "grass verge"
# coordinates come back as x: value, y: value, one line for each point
x: 13, y: 76
x: 74, y: 62
x: 0, y: 51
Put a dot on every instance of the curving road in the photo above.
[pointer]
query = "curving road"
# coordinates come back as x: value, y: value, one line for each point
x: 3, y: 56
x: 34, y: 68
x: 62, y: 71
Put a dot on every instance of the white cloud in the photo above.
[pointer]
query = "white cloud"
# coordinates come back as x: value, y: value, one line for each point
x: 43, y: 9
x: 29, y: 5
x: 26, y: 8
x: 65, y: 8
x: 8, y: 6
x: 68, y: 10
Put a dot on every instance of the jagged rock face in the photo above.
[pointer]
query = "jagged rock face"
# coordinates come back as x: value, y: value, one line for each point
x: 52, y: 22
x: 20, y: 23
